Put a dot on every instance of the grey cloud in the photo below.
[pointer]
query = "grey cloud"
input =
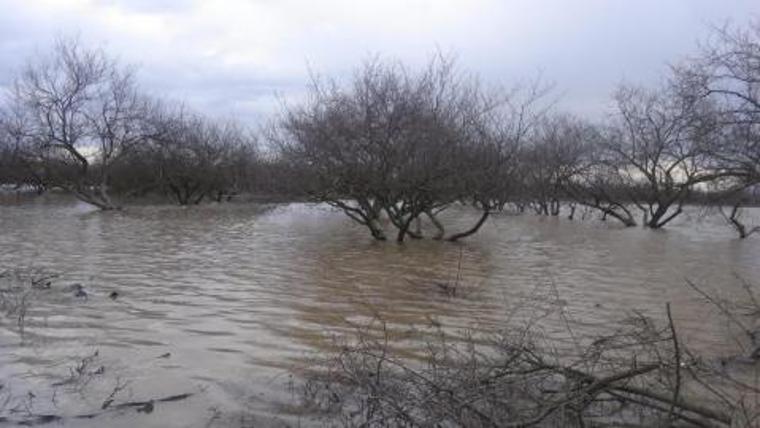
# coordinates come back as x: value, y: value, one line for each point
x: 174, y: 6
x: 232, y: 57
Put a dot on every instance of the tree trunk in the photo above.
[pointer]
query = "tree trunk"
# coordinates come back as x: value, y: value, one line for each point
x: 555, y: 205
x: 417, y: 228
x: 474, y: 229
x: 623, y: 214
x: 95, y: 197
x: 627, y: 220
x: 403, y: 228
x: 658, y: 219
x: 736, y: 223
x: 441, y: 231
x: 376, y: 230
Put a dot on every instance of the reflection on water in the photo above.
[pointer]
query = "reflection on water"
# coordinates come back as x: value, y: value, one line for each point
x: 235, y: 294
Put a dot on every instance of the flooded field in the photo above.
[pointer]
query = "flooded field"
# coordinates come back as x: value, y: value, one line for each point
x: 223, y: 301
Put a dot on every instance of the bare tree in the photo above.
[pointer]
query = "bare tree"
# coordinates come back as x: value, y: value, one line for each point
x: 344, y: 139
x: 600, y: 186
x: 8, y: 152
x: 594, y: 180
x: 504, y: 125
x: 730, y: 204
x: 727, y: 72
x: 659, y: 144
x: 405, y: 145
x: 556, y: 155
x: 20, y: 171
x: 194, y: 157
x: 80, y: 113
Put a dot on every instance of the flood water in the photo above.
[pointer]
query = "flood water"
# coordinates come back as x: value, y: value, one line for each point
x: 236, y: 295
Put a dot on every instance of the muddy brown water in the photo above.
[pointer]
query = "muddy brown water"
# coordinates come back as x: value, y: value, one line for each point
x: 237, y: 295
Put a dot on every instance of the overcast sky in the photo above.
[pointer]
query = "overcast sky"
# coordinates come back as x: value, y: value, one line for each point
x: 235, y: 57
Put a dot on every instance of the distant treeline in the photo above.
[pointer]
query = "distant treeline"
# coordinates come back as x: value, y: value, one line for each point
x: 400, y: 143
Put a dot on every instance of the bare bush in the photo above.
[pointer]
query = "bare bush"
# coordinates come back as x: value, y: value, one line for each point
x: 89, y: 381
x: 637, y: 373
x: 18, y: 291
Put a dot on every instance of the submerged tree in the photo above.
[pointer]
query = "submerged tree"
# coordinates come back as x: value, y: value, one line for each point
x: 556, y: 156
x: 727, y: 73
x: 10, y: 173
x: 80, y: 113
x: 193, y: 157
x: 661, y: 143
x: 404, y: 145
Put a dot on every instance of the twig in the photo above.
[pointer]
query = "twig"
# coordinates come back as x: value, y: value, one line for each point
x: 677, y: 350
x: 731, y: 317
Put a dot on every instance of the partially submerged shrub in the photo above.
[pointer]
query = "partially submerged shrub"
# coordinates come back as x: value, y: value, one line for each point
x: 18, y: 289
x: 637, y: 374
